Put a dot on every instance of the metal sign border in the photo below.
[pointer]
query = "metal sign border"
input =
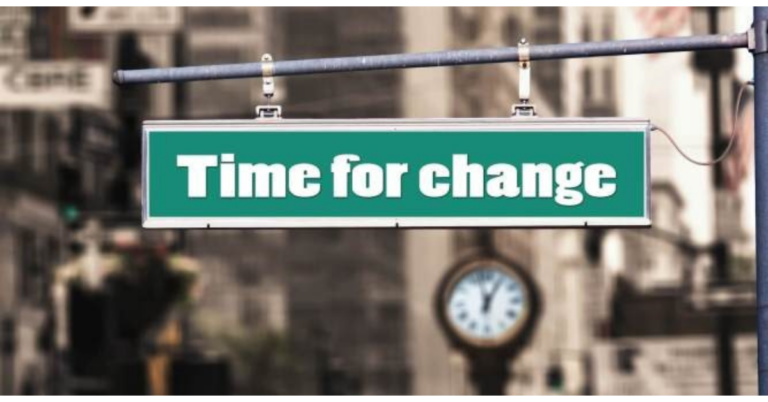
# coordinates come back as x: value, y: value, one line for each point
x: 314, y: 125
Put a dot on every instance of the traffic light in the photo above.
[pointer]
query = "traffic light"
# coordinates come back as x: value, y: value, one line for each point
x: 70, y: 198
x: 70, y: 213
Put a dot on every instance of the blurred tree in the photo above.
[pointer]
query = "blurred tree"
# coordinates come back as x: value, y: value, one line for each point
x: 262, y: 360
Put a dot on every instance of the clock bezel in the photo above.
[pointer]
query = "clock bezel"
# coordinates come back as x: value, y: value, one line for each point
x: 511, y: 339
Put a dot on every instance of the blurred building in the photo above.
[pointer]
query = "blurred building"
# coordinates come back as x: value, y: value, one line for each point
x: 56, y: 155
x: 353, y: 309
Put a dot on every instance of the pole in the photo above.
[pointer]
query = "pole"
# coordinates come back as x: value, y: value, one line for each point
x: 715, y: 67
x: 761, y: 191
x: 431, y: 59
x: 726, y: 369
x: 489, y: 374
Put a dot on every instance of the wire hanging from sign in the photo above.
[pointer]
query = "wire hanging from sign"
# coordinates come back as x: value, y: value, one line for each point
x: 734, y: 134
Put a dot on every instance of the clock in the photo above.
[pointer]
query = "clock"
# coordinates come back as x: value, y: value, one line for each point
x: 487, y: 303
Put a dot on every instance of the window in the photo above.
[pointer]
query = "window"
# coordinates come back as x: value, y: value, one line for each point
x: 586, y: 83
x: 34, y: 258
x: 39, y: 147
x: 26, y: 264
x: 43, y: 138
x: 23, y: 136
x: 90, y: 170
x: 52, y: 135
x: 625, y: 359
x: 586, y: 33
x: 608, y: 84
x: 7, y: 144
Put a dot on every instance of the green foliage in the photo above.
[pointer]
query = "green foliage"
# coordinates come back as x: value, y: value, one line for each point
x: 263, y: 362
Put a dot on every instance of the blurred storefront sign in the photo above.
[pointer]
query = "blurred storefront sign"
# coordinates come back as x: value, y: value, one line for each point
x: 116, y: 19
x: 358, y: 173
x: 670, y: 366
x: 54, y: 85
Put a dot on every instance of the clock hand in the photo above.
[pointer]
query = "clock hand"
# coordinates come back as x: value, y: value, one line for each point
x: 487, y: 298
x: 483, y: 295
x: 496, y: 286
x: 480, y: 282
x: 486, y: 303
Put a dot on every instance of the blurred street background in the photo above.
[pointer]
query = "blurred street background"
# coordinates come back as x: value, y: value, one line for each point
x: 92, y: 304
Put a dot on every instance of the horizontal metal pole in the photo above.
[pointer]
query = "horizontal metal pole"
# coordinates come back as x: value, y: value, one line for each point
x: 432, y: 59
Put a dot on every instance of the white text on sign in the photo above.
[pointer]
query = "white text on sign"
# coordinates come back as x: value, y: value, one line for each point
x: 351, y: 175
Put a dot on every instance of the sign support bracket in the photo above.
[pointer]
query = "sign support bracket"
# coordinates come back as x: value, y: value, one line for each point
x: 268, y: 111
x: 524, y: 108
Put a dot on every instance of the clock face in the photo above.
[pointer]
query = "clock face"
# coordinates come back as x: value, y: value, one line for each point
x: 487, y: 304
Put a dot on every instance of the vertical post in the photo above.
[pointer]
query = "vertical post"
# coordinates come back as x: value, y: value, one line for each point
x: 489, y: 374
x: 715, y: 65
x: 726, y: 371
x: 7, y: 352
x: 761, y: 192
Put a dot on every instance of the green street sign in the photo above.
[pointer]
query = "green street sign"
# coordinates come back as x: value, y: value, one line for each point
x: 525, y: 172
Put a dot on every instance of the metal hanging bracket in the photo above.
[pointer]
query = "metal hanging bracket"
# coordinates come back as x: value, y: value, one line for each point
x: 757, y: 37
x: 524, y: 108
x: 268, y: 111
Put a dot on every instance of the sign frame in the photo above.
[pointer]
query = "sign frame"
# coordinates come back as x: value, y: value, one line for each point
x: 394, y: 125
